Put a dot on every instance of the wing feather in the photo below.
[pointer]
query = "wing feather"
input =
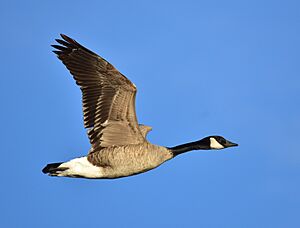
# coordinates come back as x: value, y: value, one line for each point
x: 108, y: 97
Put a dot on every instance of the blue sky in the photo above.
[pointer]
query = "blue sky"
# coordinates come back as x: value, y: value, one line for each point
x: 201, y: 67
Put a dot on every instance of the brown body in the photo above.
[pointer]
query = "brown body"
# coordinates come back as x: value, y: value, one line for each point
x: 129, y: 160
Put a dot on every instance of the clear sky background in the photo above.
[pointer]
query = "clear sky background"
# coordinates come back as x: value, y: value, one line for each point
x: 201, y: 67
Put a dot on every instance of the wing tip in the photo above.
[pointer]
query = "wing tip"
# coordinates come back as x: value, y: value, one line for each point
x: 66, y: 45
x: 65, y: 37
x: 56, y: 52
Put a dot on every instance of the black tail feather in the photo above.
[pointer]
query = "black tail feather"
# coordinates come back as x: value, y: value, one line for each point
x: 53, y: 167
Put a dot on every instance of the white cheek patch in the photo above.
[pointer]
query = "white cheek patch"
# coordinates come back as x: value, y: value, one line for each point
x: 214, y: 144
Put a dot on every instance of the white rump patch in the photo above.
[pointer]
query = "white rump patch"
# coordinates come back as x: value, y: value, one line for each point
x: 81, y: 167
x: 214, y: 144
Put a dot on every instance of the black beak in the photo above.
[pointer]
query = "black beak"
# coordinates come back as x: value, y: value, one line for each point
x: 230, y: 144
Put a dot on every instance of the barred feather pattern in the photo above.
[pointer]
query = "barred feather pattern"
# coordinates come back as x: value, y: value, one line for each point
x: 108, y: 97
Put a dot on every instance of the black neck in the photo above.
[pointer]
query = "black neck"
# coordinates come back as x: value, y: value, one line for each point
x: 202, y: 144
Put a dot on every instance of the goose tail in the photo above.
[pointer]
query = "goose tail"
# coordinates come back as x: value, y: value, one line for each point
x: 53, y: 168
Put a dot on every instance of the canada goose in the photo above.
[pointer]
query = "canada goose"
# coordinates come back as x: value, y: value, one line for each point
x: 119, y: 146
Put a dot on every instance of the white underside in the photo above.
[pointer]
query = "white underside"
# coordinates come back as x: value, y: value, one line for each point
x: 214, y: 144
x: 81, y: 167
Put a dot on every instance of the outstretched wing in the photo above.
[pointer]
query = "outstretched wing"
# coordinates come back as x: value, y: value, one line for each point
x: 108, y: 97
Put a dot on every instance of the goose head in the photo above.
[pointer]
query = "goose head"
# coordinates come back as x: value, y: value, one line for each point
x: 216, y: 142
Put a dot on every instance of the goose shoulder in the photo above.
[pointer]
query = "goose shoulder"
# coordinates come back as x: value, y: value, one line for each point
x: 145, y: 129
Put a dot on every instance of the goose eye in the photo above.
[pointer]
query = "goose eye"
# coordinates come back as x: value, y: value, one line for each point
x: 222, y: 141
